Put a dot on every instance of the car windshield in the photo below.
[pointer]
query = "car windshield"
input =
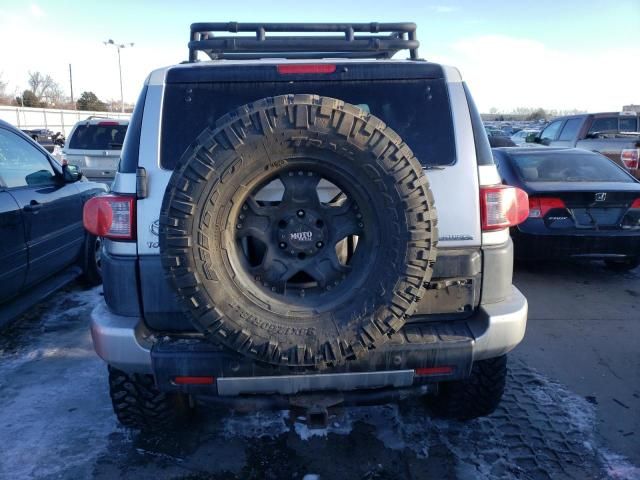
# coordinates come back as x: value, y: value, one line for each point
x: 418, y: 110
x: 567, y: 166
x: 98, y: 137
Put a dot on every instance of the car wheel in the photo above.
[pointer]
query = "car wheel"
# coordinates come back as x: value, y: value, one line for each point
x: 477, y: 396
x: 297, y: 278
x: 623, y: 265
x: 92, y: 260
x: 138, y: 403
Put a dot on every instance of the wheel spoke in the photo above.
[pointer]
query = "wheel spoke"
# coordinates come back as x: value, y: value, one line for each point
x: 344, y: 221
x: 273, y: 271
x: 300, y: 189
x: 327, y: 269
x: 254, y: 221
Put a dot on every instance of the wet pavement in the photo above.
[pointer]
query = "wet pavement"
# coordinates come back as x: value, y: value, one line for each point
x: 56, y: 419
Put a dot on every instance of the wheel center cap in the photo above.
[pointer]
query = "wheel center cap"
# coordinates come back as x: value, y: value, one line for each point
x: 302, y: 234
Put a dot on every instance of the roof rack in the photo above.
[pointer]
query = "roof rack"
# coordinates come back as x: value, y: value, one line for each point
x: 389, y: 39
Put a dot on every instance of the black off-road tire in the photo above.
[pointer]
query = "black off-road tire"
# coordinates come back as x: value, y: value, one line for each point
x: 622, y: 265
x: 477, y: 396
x: 91, y: 264
x: 138, y: 404
x: 209, y: 187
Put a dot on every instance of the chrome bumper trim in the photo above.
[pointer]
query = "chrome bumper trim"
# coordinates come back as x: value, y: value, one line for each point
x: 293, y: 384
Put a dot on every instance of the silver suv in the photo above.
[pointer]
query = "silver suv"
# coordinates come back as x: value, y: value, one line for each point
x: 272, y: 236
x: 94, y: 145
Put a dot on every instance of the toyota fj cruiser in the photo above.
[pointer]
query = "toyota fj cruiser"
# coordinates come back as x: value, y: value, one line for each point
x: 271, y: 238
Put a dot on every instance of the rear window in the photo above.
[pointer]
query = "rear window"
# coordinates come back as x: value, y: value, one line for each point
x: 98, y: 137
x: 604, y: 124
x: 418, y: 110
x: 628, y: 124
x: 567, y: 167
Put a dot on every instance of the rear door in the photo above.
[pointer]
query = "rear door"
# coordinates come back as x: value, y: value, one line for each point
x: 569, y: 133
x: 13, y: 245
x: 51, y: 209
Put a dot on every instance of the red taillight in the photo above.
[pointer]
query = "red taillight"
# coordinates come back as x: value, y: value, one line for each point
x: 629, y: 157
x: 108, y: 124
x: 502, y: 206
x: 110, y: 216
x: 421, y: 372
x: 306, y: 68
x: 636, y: 203
x: 194, y: 380
x: 540, y: 206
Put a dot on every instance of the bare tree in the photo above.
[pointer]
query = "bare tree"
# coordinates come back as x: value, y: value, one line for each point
x: 3, y: 86
x: 4, y: 98
x: 40, y: 84
x: 54, y: 95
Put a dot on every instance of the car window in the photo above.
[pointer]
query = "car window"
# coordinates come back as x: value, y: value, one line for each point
x: 102, y: 136
x: 628, y: 124
x: 418, y: 110
x: 570, y: 129
x: 22, y: 164
x: 567, y: 166
x: 551, y: 131
x: 604, y: 124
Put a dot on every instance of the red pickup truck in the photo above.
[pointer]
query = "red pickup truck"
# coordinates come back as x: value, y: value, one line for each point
x: 614, y: 134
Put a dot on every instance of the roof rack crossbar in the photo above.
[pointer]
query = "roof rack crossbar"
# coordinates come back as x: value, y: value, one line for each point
x: 389, y: 39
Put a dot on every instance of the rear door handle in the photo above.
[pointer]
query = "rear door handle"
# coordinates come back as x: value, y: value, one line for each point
x: 33, y: 206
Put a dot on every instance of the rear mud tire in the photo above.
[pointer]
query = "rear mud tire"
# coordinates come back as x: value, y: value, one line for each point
x: 138, y: 404
x: 477, y: 396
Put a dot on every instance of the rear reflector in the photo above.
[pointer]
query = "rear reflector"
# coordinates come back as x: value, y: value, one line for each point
x: 636, y: 203
x: 629, y: 157
x: 194, y: 380
x: 540, y: 206
x: 421, y: 372
x: 108, y: 124
x: 306, y: 68
x: 502, y: 206
x: 110, y: 216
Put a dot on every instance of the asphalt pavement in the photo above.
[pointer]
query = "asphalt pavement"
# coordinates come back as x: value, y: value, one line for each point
x: 571, y: 408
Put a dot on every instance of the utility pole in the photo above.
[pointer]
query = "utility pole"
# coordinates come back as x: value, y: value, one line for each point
x: 71, y: 85
x: 118, y: 47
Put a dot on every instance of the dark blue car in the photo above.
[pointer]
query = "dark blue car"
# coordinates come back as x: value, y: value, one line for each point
x: 43, y: 244
x: 582, y: 205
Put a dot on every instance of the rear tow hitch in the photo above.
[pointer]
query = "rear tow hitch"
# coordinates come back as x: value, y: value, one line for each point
x: 315, y: 408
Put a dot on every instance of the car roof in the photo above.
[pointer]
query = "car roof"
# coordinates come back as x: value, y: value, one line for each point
x: 99, y: 120
x: 541, y: 150
x: 157, y: 76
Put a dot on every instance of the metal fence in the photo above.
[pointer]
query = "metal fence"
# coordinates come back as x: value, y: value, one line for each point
x: 55, y: 120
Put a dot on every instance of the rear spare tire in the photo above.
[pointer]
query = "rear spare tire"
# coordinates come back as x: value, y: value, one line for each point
x: 298, y: 230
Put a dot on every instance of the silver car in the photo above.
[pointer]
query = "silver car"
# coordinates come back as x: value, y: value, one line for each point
x: 94, y: 145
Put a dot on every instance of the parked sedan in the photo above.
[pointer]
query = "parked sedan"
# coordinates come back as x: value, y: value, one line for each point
x: 581, y: 204
x: 43, y: 244
x: 94, y: 145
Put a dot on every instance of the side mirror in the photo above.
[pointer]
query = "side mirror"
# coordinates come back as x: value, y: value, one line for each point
x: 71, y: 173
x: 532, y: 138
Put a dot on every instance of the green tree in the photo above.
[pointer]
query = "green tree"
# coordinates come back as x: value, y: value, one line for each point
x: 90, y: 101
x: 29, y: 99
x: 537, y: 114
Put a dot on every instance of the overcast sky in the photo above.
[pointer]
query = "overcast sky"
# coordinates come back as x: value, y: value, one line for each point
x: 552, y: 54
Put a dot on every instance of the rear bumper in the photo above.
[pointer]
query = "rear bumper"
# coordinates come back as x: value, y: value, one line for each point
x: 603, y: 245
x: 493, y: 330
x: 99, y: 175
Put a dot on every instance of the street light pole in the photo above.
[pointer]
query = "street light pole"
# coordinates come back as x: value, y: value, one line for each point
x: 118, y: 47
